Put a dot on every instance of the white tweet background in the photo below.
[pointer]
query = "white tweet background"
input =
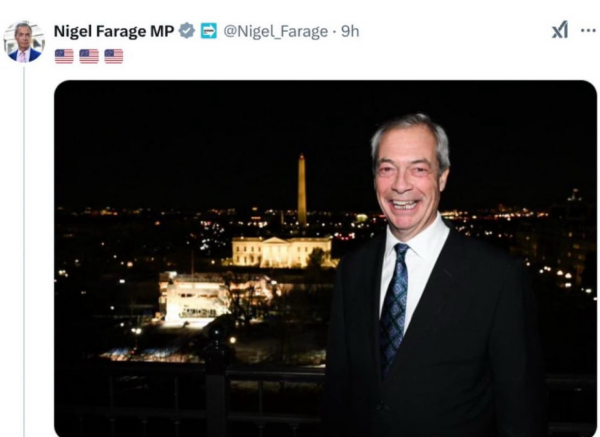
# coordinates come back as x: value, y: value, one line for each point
x: 398, y: 40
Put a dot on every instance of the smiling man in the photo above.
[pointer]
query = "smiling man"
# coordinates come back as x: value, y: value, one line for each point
x: 24, y: 52
x: 409, y: 177
x: 431, y: 333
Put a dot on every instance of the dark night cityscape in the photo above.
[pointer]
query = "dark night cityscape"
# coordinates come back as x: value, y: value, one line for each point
x: 177, y: 210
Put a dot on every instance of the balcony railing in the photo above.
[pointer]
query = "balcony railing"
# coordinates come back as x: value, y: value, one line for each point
x: 216, y: 400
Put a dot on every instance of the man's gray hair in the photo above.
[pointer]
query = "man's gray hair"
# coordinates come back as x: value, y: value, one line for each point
x: 442, y: 148
x: 22, y: 25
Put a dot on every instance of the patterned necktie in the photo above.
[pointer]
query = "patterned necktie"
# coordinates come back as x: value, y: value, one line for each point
x: 21, y: 56
x: 391, y: 325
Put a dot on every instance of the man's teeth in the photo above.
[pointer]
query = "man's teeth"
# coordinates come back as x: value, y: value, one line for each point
x: 407, y: 204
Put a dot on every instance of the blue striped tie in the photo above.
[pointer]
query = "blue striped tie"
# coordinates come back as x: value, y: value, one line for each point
x: 391, y: 325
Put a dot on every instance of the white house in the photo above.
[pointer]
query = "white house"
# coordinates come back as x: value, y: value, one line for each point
x: 276, y: 252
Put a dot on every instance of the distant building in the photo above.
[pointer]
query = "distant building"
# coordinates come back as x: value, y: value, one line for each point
x: 192, y: 298
x: 565, y: 241
x: 279, y: 253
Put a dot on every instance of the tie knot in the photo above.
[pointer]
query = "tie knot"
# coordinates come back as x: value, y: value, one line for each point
x: 401, y: 249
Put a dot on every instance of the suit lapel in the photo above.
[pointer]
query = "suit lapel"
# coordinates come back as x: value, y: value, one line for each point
x: 374, y: 284
x: 439, y: 288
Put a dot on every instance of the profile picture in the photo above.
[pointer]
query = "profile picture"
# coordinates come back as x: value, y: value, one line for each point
x: 24, y: 42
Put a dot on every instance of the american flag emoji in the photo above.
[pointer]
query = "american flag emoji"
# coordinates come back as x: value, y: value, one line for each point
x: 63, y: 56
x: 113, y: 56
x: 88, y: 56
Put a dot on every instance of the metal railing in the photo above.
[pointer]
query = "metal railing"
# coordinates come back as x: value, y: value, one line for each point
x: 235, y: 399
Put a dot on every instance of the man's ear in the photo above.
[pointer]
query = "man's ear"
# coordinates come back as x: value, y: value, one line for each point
x: 444, y: 178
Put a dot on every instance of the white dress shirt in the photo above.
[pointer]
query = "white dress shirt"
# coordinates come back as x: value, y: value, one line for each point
x: 27, y: 54
x: 424, y: 250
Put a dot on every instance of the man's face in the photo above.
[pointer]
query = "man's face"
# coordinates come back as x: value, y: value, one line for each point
x: 407, y: 180
x: 23, y: 37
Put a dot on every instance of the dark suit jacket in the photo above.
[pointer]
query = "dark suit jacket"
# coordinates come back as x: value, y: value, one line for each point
x: 470, y: 361
x: 33, y: 55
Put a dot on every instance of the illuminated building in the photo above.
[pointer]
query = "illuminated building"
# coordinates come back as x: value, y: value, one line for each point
x: 565, y: 240
x: 280, y: 253
x: 277, y: 252
x: 192, y: 298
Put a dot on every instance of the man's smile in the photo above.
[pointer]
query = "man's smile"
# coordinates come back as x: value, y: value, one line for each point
x: 404, y: 204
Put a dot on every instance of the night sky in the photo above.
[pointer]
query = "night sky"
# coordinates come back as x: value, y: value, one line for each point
x: 235, y: 144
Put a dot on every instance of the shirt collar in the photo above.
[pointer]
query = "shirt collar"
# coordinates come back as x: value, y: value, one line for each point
x: 423, y: 244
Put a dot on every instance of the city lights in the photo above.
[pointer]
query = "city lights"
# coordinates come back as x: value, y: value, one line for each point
x: 209, y: 236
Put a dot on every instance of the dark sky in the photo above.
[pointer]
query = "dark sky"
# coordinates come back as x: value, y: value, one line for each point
x: 236, y: 143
